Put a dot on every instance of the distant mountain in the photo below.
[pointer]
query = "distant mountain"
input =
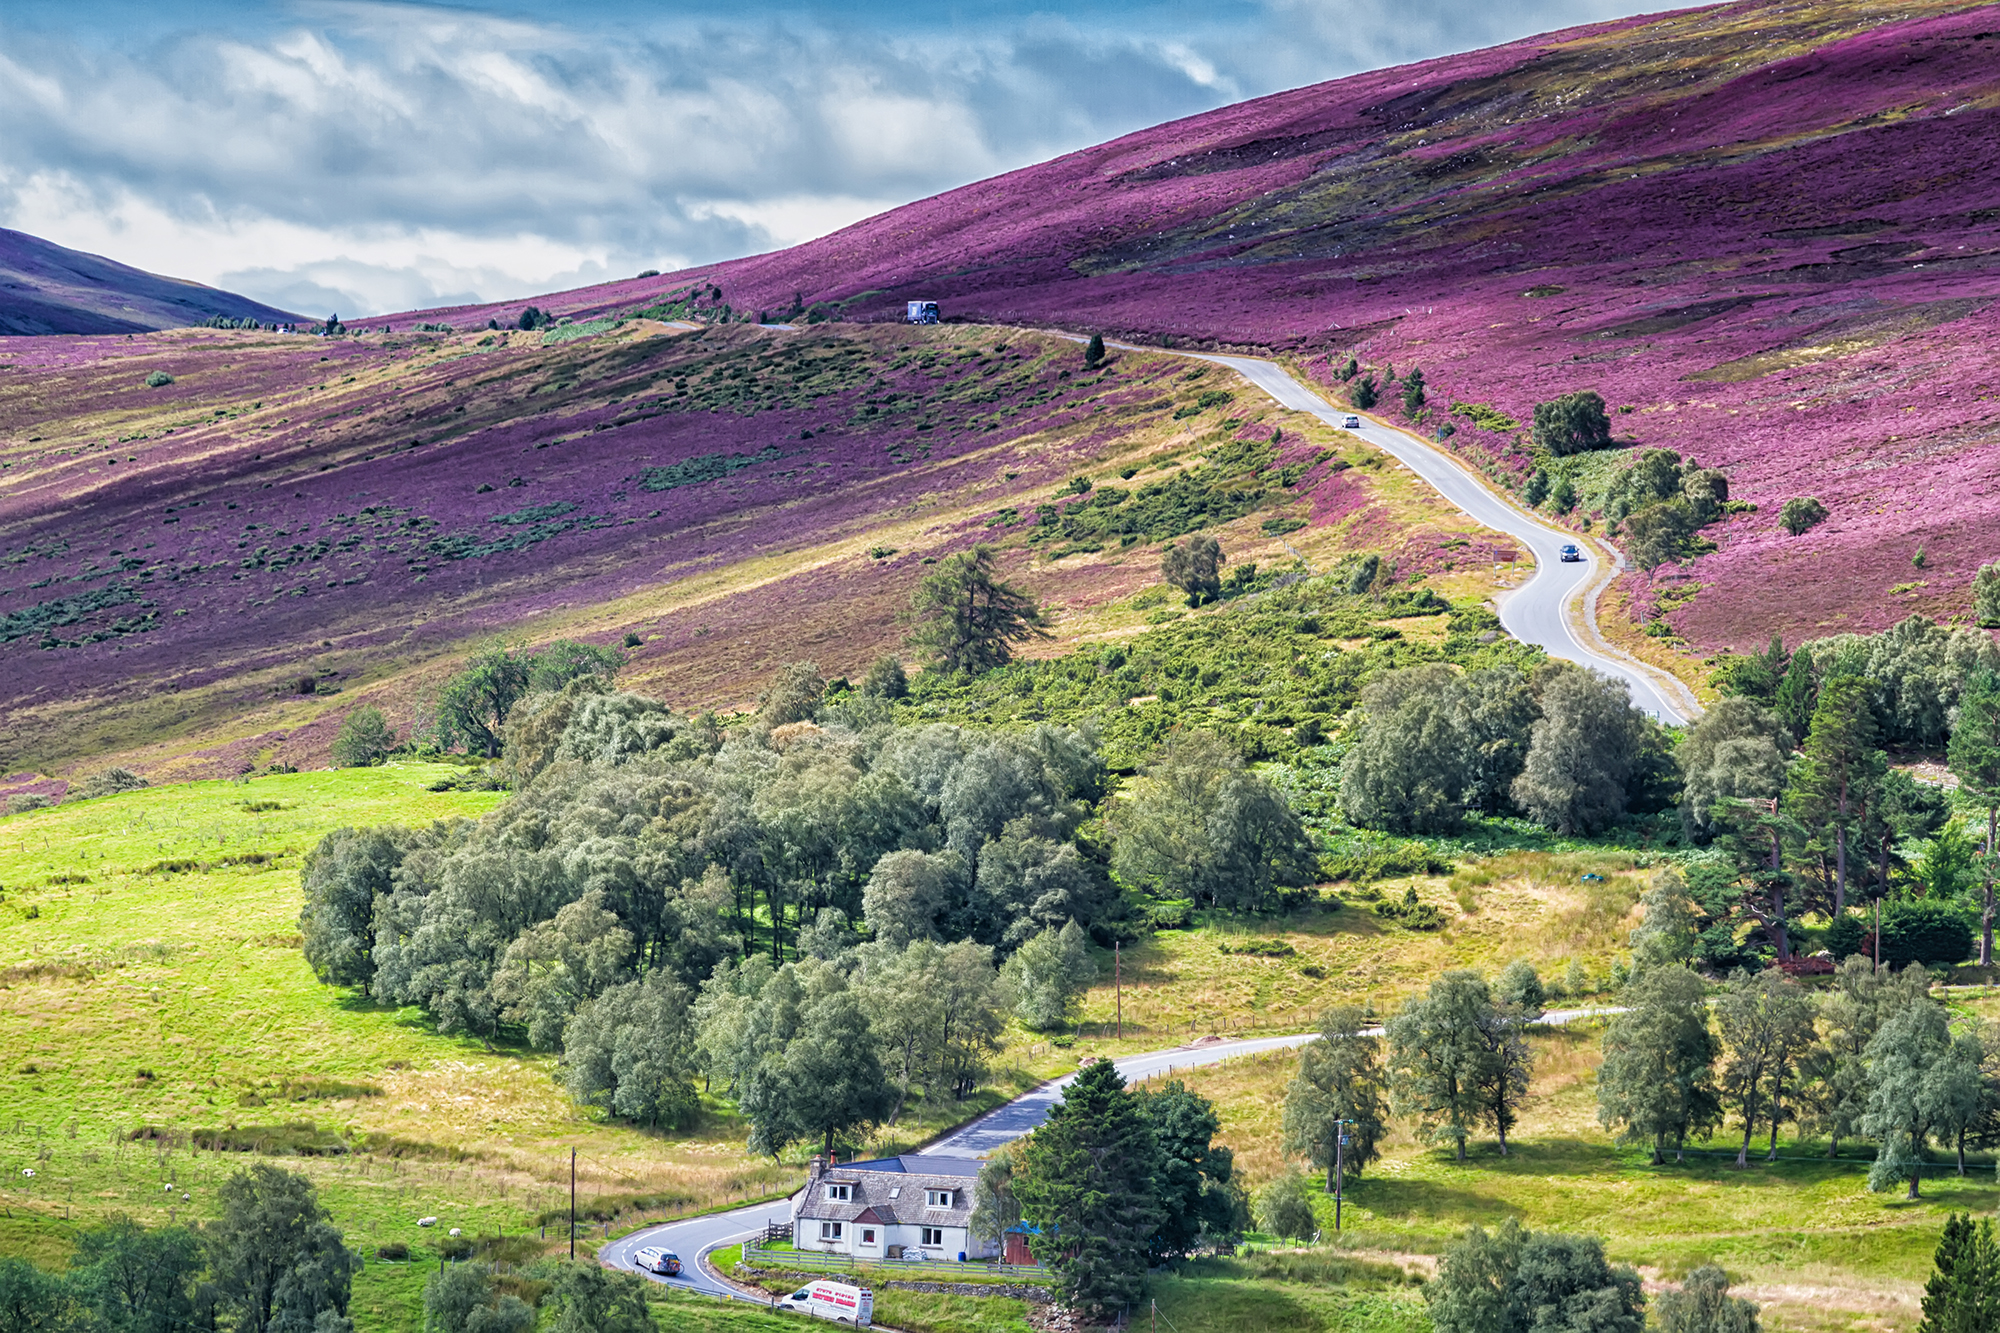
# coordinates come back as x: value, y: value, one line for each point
x: 47, y: 288
x: 1768, y: 234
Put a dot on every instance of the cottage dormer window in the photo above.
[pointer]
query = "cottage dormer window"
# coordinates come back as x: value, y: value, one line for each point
x: 937, y: 1198
x: 839, y: 1193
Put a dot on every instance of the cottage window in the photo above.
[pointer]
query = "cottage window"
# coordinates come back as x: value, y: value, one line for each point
x: 937, y: 1198
x: 934, y: 1237
x: 830, y: 1230
x: 868, y: 1235
x: 839, y: 1193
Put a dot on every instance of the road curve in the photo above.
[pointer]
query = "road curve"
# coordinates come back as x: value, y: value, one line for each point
x: 695, y: 1237
x: 1538, y: 611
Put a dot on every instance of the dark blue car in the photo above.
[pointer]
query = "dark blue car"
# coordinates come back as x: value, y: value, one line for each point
x: 1571, y: 554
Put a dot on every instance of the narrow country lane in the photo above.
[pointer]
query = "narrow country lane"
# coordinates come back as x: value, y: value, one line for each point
x: 1539, y: 611
x: 694, y: 1237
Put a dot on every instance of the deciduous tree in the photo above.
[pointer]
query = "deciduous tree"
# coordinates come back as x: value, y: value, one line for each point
x: 1339, y: 1089
x: 1518, y: 1281
x: 1702, y: 1304
x: 1657, y: 1082
x: 1048, y: 976
x: 274, y: 1256
x: 1195, y: 567
x: 1583, y: 754
x: 1440, y: 1062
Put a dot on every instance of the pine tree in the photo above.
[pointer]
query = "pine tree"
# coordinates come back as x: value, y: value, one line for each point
x: 1085, y: 1179
x: 967, y: 618
x: 1413, y: 391
x: 1093, y: 354
x: 1963, y: 1293
x: 1840, y: 769
x: 1975, y: 760
x: 1797, y: 693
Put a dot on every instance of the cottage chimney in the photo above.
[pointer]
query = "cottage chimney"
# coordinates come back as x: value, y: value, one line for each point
x: 817, y: 1170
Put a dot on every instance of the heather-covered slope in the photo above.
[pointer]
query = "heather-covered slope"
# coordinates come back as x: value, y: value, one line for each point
x: 45, y: 288
x: 206, y: 575
x: 1769, y: 234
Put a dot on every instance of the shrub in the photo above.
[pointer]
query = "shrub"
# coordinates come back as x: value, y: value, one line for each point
x: 1284, y: 1209
x: 159, y: 379
x: 364, y: 740
x: 394, y: 1252
x: 1924, y: 932
x: 633, y: 640
x: 108, y: 783
x: 1365, y: 394
x: 1572, y: 424
x: 1801, y: 514
x: 26, y: 801
x: 1093, y: 355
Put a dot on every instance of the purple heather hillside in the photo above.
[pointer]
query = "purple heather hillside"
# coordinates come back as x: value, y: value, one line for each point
x: 45, y: 288
x: 1768, y: 235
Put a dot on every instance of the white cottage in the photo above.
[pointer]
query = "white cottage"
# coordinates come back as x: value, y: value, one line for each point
x: 892, y: 1208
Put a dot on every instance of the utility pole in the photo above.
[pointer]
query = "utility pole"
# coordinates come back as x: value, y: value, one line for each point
x: 1339, y: 1167
x: 572, y: 1205
x: 1118, y: 983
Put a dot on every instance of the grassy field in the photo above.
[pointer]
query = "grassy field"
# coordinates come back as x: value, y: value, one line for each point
x: 1802, y: 1235
x: 159, y: 1026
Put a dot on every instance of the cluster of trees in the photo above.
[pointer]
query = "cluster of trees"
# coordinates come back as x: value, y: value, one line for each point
x: 1518, y: 1281
x: 667, y: 902
x: 1871, y: 1057
x: 271, y: 1262
x: 1789, y: 778
x: 1452, y: 1060
x: 1786, y: 782
x: 1117, y: 1181
x: 1561, y: 744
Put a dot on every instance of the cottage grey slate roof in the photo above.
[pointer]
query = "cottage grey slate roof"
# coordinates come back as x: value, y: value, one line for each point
x: 894, y: 1193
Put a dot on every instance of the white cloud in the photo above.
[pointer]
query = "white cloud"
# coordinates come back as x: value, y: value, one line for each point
x: 396, y: 155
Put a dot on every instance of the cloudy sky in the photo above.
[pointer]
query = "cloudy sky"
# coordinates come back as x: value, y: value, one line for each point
x: 360, y: 157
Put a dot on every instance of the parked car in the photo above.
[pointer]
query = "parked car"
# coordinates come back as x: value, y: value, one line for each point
x: 656, y: 1260
x: 1352, y: 423
x: 1570, y: 554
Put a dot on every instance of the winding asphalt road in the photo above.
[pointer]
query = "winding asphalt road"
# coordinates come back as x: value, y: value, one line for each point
x: 1538, y: 611
x: 695, y: 1237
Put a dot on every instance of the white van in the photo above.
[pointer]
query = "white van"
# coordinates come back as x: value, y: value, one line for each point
x: 833, y: 1300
